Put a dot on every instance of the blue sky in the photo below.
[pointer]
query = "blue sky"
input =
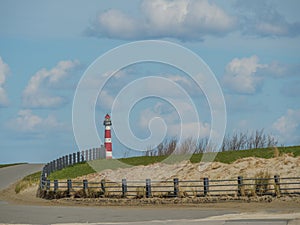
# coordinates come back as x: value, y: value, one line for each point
x: 252, y: 47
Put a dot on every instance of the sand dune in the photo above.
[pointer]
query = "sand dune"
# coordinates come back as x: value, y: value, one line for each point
x: 285, y: 166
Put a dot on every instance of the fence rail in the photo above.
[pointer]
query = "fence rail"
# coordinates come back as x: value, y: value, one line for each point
x: 275, y: 186
x: 71, y: 159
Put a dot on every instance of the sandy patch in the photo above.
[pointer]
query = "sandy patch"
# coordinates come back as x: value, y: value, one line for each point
x: 285, y: 166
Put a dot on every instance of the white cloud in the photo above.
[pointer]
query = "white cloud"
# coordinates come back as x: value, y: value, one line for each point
x: 173, y: 121
x: 184, y: 82
x: 276, y: 69
x: 35, y: 94
x: 115, y: 23
x: 186, y: 20
x: 4, y: 70
x: 161, y: 110
x: 105, y: 100
x: 288, y: 127
x: 246, y: 75
x: 29, y: 122
x: 261, y: 18
x: 240, y: 75
x: 192, y: 129
x: 194, y: 20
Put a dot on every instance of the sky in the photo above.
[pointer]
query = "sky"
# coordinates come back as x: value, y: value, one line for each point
x: 252, y: 48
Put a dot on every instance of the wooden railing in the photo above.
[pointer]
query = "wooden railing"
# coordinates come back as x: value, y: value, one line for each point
x: 71, y: 159
x: 275, y: 186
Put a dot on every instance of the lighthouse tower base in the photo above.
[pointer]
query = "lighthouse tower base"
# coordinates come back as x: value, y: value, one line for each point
x: 108, y: 155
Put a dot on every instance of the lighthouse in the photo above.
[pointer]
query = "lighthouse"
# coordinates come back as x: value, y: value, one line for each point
x: 107, y: 137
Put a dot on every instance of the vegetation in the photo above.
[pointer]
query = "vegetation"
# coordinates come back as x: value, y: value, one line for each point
x: 236, y: 141
x: 267, y: 153
x: 72, y: 171
x: 225, y: 157
x: 12, y: 164
x: 28, y: 181
x: 262, y: 182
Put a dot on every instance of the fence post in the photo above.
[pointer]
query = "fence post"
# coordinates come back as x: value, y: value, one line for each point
x: 69, y: 183
x: 90, y: 155
x: 85, y: 185
x: 74, y: 158
x: 206, y: 185
x: 58, y: 164
x: 63, y: 162
x: 55, y: 185
x: 70, y: 159
x: 48, y: 185
x: 240, y: 186
x: 94, y: 153
x: 66, y: 161
x: 47, y: 168
x: 42, y: 179
x: 82, y: 156
x: 78, y: 157
x: 103, y: 186
x: 54, y: 165
x: 148, y: 188
x: 51, y: 166
x: 277, y: 185
x: 176, y: 187
x: 86, y: 155
x: 97, y: 153
x: 124, y: 187
x: 42, y: 182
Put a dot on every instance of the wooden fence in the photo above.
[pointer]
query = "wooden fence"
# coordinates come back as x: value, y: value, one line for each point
x: 71, y: 159
x: 275, y: 186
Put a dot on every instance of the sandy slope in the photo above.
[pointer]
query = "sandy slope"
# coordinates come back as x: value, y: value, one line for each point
x: 285, y: 166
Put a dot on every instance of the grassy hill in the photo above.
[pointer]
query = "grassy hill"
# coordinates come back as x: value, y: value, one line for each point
x: 225, y: 157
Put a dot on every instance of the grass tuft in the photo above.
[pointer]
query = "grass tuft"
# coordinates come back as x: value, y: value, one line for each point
x: 276, y: 152
x: 262, y: 182
x: 28, y: 181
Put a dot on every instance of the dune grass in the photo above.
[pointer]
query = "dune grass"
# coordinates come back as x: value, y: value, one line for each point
x: 267, y: 153
x: 28, y: 181
x: 225, y: 157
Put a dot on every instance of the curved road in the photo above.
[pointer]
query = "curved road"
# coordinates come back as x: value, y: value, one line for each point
x: 11, y: 174
x: 11, y: 213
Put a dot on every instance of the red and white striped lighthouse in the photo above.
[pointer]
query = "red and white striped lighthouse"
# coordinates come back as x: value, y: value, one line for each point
x: 107, y: 137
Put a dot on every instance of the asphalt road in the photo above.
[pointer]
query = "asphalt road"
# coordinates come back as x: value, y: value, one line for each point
x: 11, y: 174
x: 50, y: 214
x: 13, y: 214
x: 31, y: 214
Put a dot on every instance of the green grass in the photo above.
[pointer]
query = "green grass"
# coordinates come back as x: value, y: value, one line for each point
x: 12, y: 164
x: 225, y: 157
x: 28, y: 181
x: 73, y: 171
x: 231, y: 156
